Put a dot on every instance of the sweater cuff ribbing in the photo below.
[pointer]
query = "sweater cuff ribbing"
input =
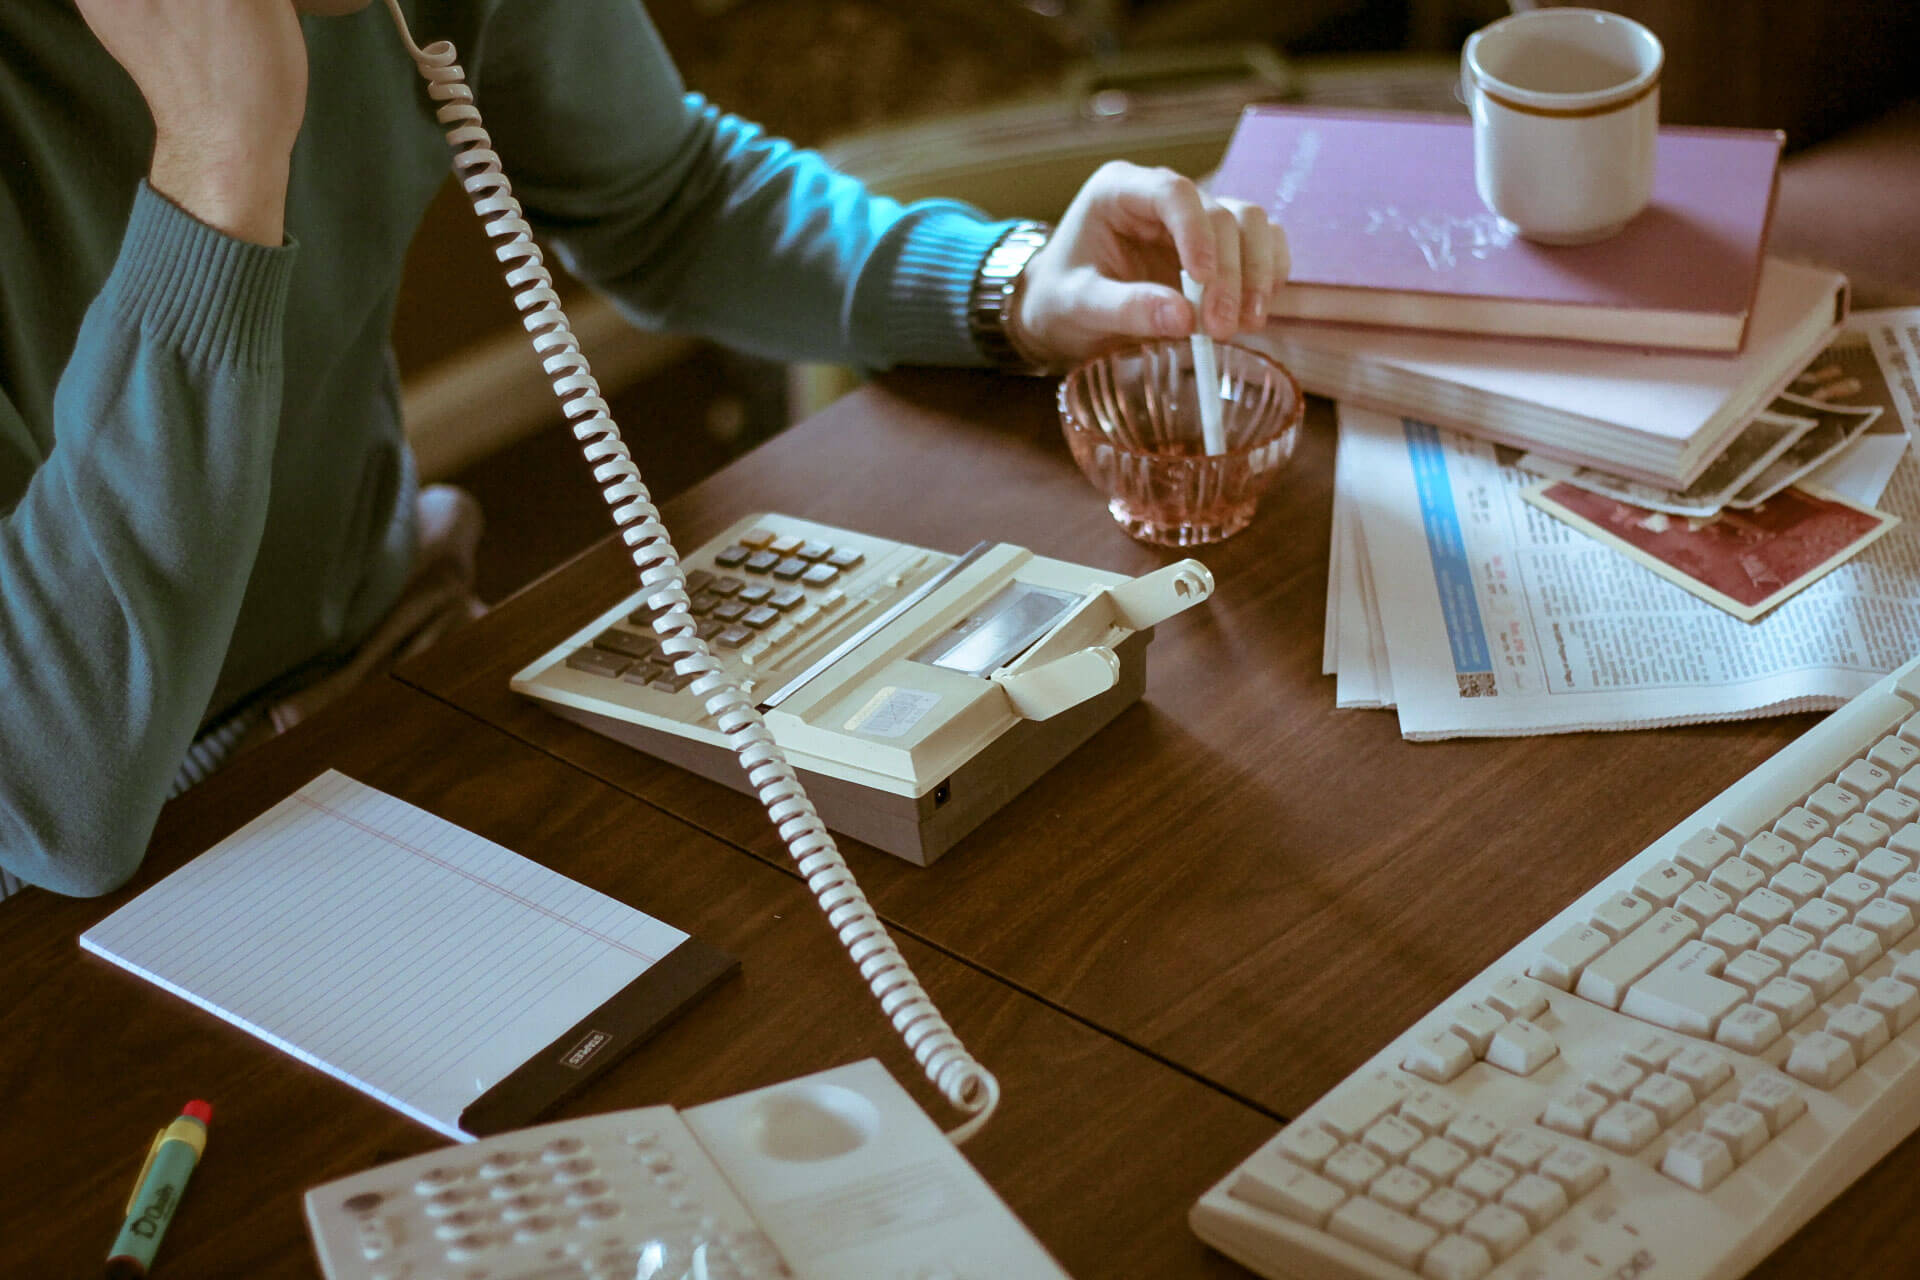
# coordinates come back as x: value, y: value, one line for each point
x: 214, y: 298
x: 926, y: 306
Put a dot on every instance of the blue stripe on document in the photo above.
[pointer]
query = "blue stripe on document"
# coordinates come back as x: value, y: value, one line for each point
x: 1448, y: 548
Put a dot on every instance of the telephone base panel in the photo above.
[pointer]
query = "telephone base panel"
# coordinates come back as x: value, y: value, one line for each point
x: 918, y: 829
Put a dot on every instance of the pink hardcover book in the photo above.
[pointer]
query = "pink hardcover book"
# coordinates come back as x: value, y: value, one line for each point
x: 1386, y: 228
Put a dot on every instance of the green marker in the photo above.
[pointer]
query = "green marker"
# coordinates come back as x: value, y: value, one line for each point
x: 156, y: 1192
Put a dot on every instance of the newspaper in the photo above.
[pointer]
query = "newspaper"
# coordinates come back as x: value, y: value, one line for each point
x: 1496, y: 619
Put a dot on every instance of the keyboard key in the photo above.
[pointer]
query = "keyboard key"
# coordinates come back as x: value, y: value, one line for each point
x: 1704, y: 903
x: 1400, y: 1189
x: 1830, y: 857
x: 1616, y: 1079
x: 1353, y: 1167
x: 1647, y: 1049
x: 1626, y: 1127
x: 1862, y: 833
x: 1702, y: 1069
x: 1621, y: 914
x: 1753, y: 969
x: 1698, y: 1160
x: 1887, y: 918
x: 1906, y: 889
x: 1821, y: 1059
x: 1775, y: 1098
x: 1476, y: 1023
x: 1863, y: 1028
x: 1446, y: 1209
x: 1704, y: 850
x: 1560, y: 961
x: 1787, y: 944
x: 1906, y: 840
x: 1438, y: 1056
x: 1306, y: 1144
x: 1521, y: 1149
x: 1268, y: 1182
x: 1742, y: 1129
x: 1375, y: 1227
x: 1798, y: 883
x: 1736, y: 877
x: 1392, y: 1138
x: 1430, y: 1109
x: 1537, y: 1199
x: 1865, y: 777
x: 1352, y: 1108
x: 1851, y: 891
x: 1897, y: 1002
x: 1750, y: 1029
x: 1606, y: 980
x: 1907, y: 969
x: 1517, y: 998
x: 1663, y: 882
x: 1732, y: 935
x: 1895, y: 808
x: 1770, y: 851
x: 1574, y: 1114
x: 1500, y: 1229
x: 1485, y: 1178
x: 1438, y: 1160
x: 1825, y: 974
x: 1766, y: 908
x: 1895, y: 755
x: 1682, y: 994
x: 1786, y: 999
x: 1474, y: 1132
x: 1858, y: 947
x: 1819, y: 917
x: 1666, y: 1097
x: 1835, y: 803
x: 1800, y: 827
x: 1456, y: 1258
x: 1575, y: 1168
x: 1521, y: 1047
x: 1884, y: 866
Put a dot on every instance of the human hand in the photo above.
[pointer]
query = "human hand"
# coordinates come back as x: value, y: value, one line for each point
x: 1111, y: 272
x: 226, y: 83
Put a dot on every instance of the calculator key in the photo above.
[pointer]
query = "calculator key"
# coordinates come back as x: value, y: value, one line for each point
x: 760, y: 562
x: 708, y: 629
x: 726, y: 586
x: 642, y: 673
x: 598, y: 662
x: 626, y: 643
x: 811, y: 551
x: 785, y: 598
x: 755, y: 593
x: 757, y: 537
x: 731, y: 557
x: 819, y: 575
x: 703, y: 604
x: 760, y: 617
x: 730, y: 611
x: 844, y: 558
x: 733, y: 637
x: 787, y: 545
x: 789, y: 568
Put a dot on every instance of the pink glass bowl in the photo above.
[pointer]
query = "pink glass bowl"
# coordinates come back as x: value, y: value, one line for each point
x: 1132, y: 419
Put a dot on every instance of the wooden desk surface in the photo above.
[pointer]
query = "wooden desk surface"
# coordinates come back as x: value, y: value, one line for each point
x: 1232, y: 875
x: 1099, y: 1149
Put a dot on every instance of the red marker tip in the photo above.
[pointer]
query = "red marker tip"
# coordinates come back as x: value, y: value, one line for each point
x: 198, y: 1110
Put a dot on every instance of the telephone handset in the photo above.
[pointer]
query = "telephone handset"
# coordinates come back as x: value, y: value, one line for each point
x: 964, y: 1082
x: 833, y: 1176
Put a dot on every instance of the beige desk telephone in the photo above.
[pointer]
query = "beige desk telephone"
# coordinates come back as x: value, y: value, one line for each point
x: 1078, y: 626
x: 833, y: 1176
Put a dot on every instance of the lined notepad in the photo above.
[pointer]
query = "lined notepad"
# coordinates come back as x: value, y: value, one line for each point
x: 388, y: 947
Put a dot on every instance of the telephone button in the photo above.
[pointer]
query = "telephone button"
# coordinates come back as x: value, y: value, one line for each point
x: 733, y: 637
x: 813, y: 551
x: 760, y: 617
x: 845, y: 558
x: 787, y: 545
x: 789, y: 569
x: 726, y: 586
x: 820, y: 575
x: 730, y: 611
x: 758, y: 562
x: 698, y: 579
x: 757, y: 538
x: 755, y: 593
x: 735, y: 556
x: 786, y: 598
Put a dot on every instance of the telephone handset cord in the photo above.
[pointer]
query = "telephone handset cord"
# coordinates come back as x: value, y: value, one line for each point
x: 970, y: 1087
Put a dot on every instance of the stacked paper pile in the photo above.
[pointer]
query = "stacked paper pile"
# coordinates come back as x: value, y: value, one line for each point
x: 1456, y: 600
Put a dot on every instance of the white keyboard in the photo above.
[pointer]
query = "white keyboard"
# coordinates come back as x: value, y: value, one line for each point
x: 1667, y: 1079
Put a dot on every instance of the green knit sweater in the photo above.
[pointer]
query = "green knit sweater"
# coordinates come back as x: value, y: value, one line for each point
x: 204, y: 489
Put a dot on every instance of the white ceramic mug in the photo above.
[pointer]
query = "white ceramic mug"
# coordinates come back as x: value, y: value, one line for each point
x: 1566, y: 110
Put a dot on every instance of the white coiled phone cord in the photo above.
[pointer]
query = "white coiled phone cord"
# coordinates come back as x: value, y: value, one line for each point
x: 970, y: 1087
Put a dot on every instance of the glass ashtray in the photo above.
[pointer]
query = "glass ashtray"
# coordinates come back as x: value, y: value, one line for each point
x: 1132, y: 419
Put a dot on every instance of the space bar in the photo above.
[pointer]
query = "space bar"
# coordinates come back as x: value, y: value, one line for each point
x: 1750, y: 805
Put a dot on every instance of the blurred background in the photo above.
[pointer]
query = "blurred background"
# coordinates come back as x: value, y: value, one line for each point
x: 1010, y: 104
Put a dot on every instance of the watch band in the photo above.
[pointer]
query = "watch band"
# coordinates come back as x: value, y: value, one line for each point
x: 995, y: 286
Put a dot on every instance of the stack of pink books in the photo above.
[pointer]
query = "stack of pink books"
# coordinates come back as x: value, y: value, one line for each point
x: 1642, y: 354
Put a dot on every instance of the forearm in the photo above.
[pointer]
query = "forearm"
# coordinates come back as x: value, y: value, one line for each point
x: 125, y: 557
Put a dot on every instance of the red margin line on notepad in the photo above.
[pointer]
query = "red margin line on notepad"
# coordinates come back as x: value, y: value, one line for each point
x: 571, y: 923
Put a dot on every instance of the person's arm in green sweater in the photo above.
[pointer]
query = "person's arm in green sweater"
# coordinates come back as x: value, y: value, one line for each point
x: 123, y: 561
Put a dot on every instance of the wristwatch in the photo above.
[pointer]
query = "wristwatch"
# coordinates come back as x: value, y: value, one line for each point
x: 995, y: 286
